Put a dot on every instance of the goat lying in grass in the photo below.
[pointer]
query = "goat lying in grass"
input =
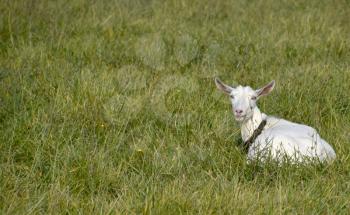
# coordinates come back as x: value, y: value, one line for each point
x: 269, y: 137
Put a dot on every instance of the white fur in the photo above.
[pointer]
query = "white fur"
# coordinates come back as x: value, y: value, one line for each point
x: 280, y: 139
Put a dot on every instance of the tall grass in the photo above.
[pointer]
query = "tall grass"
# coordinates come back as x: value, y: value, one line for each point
x: 110, y: 106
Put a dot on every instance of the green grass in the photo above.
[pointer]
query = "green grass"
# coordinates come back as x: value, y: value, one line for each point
x: 110, y: 106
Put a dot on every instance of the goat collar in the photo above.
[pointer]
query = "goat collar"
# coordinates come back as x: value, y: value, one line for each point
x: 256, y: 133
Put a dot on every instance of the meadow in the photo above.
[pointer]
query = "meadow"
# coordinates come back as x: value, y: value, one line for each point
x: 109, y: 107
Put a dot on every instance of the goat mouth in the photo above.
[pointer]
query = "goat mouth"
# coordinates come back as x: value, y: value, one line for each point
x: 240, y: 117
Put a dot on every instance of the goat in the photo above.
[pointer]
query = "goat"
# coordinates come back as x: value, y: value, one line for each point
x: 266, y: 137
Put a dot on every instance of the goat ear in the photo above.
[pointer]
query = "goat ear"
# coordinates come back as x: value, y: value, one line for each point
x: 266, y: 89
x: 223, y: 87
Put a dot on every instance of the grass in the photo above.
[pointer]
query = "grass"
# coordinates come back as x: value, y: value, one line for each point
x: 110, y: 107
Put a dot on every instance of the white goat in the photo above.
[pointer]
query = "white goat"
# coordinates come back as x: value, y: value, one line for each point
x: 269, y: 137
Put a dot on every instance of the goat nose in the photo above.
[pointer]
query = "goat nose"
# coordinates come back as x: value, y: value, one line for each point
x: 239, y: 111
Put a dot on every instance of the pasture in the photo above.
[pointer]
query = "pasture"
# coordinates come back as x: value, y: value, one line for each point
x: 110, y: 107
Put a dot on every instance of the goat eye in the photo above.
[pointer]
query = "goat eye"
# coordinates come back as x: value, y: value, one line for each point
x: 253, y: 97
x: 232, y: 96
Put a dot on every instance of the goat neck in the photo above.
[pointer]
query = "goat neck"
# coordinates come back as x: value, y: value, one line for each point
x: 249, y: 125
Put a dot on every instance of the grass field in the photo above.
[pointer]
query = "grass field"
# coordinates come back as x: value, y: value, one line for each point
x: 110, y: 106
